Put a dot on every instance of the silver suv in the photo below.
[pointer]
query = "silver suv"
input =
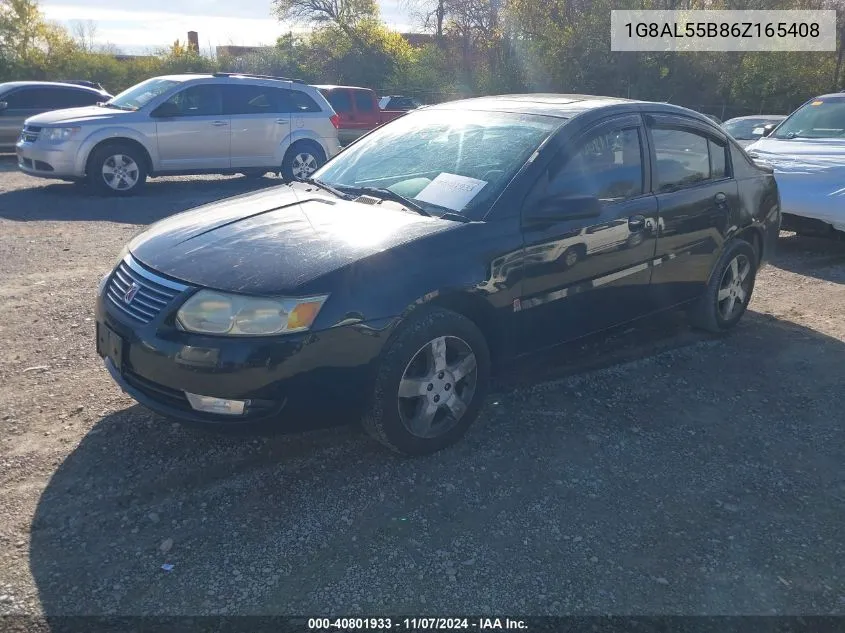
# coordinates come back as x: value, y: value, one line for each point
x: 184, y: 124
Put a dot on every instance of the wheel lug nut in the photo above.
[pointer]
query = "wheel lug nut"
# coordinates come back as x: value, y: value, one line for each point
x: 437, y: 398
x: 430, y: 386
x: 448, y: 386
x: 440, y: 375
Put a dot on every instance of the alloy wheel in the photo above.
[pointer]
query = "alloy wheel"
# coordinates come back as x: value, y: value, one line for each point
x: 437, y: 387
x: 120, y: 172
x: 734, y: 288
x: 304, y: 164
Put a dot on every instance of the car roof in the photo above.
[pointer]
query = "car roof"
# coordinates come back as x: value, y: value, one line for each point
x: 756, y: 116
x: 21, y: 84
x: 332, y: 87
x: 563, y: 106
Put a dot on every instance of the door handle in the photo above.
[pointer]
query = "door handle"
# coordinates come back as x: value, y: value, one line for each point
x: 636, y: 223
x: 720, y: 199
x: 282, y: 121
x: 218, y: 123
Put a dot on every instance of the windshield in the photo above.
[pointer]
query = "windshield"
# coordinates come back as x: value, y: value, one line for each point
x: 447, y: 159
x: 820, y: 118
x: 748, y: 129
x: 141, y: 94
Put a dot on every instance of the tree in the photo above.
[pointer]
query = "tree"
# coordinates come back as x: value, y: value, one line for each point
x: 84, y: 34
x: 345, y: 14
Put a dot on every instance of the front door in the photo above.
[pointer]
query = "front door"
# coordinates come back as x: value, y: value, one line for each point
x: 260, y: 120
x: 584, y: 275
x: 20, y: 104
x: 198, y: 136
x: 696, y: 196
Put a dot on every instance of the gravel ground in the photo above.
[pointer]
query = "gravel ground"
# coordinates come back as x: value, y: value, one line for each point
x: 654, y: 471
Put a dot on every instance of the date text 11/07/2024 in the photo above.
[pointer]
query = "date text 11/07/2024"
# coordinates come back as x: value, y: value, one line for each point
x: 414, y: 624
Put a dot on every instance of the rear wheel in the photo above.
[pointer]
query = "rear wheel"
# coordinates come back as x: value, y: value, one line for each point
x: 430, y: 385
x: 301, y: 160
x: 117, y: 169
x: 729, y: 291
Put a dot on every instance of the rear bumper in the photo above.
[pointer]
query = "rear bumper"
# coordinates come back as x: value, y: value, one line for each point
x: 48, y: 161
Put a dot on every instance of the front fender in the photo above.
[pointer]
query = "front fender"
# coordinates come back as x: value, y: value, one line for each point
x: 114, y: 132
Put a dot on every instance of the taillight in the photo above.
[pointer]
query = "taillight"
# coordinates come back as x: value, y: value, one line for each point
x: 335, y: 119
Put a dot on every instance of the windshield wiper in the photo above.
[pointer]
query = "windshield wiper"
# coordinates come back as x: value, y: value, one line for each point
x: 326, y: 187
x: 388, y: 194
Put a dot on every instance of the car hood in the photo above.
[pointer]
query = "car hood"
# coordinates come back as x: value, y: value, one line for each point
x: 810, y: 174
x: 275, y: 241
x: 87, y: 114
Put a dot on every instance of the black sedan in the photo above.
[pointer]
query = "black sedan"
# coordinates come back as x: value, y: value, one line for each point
x: 430, y: 253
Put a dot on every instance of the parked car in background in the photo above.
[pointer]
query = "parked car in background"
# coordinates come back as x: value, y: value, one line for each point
x: 184, y: 124
x: 807, y: 152
x: 398, y: 102
x: 747, y: 129
x: 395, y: 279
x: 357, y: 109
x: 82, y: 82
x: 22, y: 99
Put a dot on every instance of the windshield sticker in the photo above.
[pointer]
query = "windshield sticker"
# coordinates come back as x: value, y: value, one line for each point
x: 451, y: 191
x: 817, y: 103
x: 758, y: 131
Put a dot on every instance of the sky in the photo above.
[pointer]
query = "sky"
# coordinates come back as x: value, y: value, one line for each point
x: 134, y: 28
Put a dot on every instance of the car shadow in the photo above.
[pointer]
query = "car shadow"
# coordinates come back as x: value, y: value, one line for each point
x: 819, y: 257
x: 160, y: 198
x: 639, y: 473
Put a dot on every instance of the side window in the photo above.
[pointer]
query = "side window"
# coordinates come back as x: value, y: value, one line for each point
x: 23, y: 98
x: 718, y: 160
x: 608, y: 165
x: 298, y: 101
x: 248, y: 99
x: 683, y: 159
x: 340, y: 100
x: 364, y: 101
x: 202, y: 100
x: 68, y: 98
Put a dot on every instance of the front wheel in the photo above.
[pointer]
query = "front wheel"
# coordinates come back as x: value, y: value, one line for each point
x: 301, y: 160
x: 430, y: 385
x: 117, y: 169
x: 729, y: 291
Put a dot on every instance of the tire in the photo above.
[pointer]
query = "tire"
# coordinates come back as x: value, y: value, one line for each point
x: 131, y: 163
x: 301, y: 157
x: 407, y: 360
x: 570, y: 257
x: 724, y: 301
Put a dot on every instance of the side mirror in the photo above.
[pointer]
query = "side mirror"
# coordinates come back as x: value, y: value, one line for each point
x: 166, y: 110
x: 767, y: 129
x: 3, y: 105
x: 561, y: 209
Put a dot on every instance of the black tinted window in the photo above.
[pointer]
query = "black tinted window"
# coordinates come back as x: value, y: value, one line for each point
x: 251, y: 100
x: 339, y: 99
x: 69, y: 98
x: 608, y: 166
x: 203, y: 100
x: 23, y: 98
x: 364, y: 101
x: 718, y: 161
x: 298, y: 101
x: 683, y: 159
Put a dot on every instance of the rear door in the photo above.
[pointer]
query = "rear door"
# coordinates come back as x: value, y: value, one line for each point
x: 199, y: 136
x: 697, y: 199
x: 584, y: 275
x: 260, y: 120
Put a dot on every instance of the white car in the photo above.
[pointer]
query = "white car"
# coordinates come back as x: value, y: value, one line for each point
x: 747, y: 129
x: 807, y: 152
x: 184, y: 124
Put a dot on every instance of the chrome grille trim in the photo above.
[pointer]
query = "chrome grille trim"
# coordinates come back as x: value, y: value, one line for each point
x: 153, y: 295
x: 30, y: 133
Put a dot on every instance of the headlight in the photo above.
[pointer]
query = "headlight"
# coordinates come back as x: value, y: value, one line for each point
x: 58, y: 134
x: 209, y: 312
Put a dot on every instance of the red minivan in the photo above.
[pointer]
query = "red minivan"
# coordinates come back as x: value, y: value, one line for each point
x: 357, y: 110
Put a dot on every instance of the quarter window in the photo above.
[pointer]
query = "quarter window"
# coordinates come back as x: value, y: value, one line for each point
x: 300, y: 102
x: 686, y: 158
x: 608, y: 166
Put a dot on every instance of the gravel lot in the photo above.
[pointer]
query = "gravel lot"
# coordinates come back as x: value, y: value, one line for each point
x: 656, y: 471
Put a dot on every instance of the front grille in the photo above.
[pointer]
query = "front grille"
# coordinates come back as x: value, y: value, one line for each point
x: 166, y: 395
x: 151, y: 295
x: 30, y: 133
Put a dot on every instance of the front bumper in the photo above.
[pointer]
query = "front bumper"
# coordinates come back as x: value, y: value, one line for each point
x: 43, y: 160
x: 299, y: 374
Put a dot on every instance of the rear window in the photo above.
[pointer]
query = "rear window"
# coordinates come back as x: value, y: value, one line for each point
x: 339, y: 100
x: 364, y: 101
